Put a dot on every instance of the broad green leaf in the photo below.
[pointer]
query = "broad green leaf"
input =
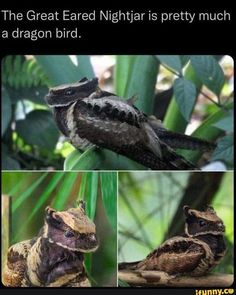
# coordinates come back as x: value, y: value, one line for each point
x: 224, y: 150
x: 171, y: 61
x: 226, y: 123
x: 109, y: 196
x: 209, y: 72
x: 113, y: 161
x: 123, y: 67
x: 34, y: 94
x: 63, y: 194
x: 99, y: 159
x: 38, y: 128
x: 26, y: 194
x: 88, y: 160
x: 140, y: 81
x: 91, y: 194
x: 185, y: 95
x: 6, y: 109
x: 207, y: 131
x: 174, y: 120
x: 60, y: 69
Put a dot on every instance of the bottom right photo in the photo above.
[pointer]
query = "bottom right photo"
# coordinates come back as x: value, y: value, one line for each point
x: 175, y: 229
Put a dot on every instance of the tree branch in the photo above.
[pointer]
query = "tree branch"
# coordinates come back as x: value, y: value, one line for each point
x: 159, y: 278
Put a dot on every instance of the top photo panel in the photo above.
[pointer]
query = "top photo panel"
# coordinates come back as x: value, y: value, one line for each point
x: 117, y: 112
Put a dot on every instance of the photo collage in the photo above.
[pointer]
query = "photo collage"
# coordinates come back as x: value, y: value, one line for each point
x: 117, y: 171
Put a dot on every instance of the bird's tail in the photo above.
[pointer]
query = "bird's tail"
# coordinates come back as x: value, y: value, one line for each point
x: 178, y: 140
x: 182, y: 141
x: 169, y: 159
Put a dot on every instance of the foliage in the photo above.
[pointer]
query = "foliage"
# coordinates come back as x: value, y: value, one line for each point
x: 31, y: 193
x: 148, y: 203
x: 32, y: 141
x: 29, y: 135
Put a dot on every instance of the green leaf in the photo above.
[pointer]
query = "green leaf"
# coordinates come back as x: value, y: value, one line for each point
x: 109, y: 196
x: 38, y: 128
x: 40, y: 201
x: 27, y: 193
x: 60, y: 68
x: 140, y: 81
x: 185, y: 95
x: 34, y: 94
x: 83, y: 186
x: 122, y: 283
x: 174, y: 120
x: 88, y: 191
x: 171, y: 61
x: 226, y: 123
x: 10, y: 164
x: 64, y: 192
x: 123, y: 69
x: 224, y: 150
x: 113, y: 161
x: 207, y: 131
x: 56, y: 178
x: 88, y: 160
x: 6, y: 110
x: 209, y: 72
x: 184, y: 59
x: 91, y: 195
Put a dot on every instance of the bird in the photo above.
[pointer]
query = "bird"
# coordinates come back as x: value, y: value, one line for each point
x: 195, y: 253
x: 54, y: 258
x: 89, y: 116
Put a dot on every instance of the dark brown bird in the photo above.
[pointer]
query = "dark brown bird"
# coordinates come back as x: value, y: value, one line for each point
x: 90, y: 116
x: 195, y: 253
x: 55, y: 258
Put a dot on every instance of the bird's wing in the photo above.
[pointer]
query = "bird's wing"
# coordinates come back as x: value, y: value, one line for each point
x: 14, y: 270
x: 114, y: 124
x: 176, y: 255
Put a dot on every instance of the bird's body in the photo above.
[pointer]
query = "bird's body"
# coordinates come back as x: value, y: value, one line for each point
x: 195, y: 253
x: 89, y: 116
x: 55, y: 258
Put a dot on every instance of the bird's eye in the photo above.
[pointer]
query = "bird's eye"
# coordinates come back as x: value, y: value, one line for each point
x: 69, y: 234
x: 69, y: 92
x: 202, y: 222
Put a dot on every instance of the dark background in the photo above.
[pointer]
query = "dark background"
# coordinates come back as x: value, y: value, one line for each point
x: 125, y: 38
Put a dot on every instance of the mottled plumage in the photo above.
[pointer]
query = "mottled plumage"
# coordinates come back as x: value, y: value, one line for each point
x: 90, y: 116
x: 195, y: 253
x: 54, y: 258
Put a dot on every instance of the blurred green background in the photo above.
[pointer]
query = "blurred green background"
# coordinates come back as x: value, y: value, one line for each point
x: 32, y: 192
x: 190, y: 94
x: 150, y: 209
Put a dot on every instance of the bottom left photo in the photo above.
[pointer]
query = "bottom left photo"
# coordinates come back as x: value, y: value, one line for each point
x: 59, y: 229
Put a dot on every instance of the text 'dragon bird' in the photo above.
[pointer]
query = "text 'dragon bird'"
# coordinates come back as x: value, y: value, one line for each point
x: 90, y: 116
x: 195, y: 253
x: 55, y: 258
